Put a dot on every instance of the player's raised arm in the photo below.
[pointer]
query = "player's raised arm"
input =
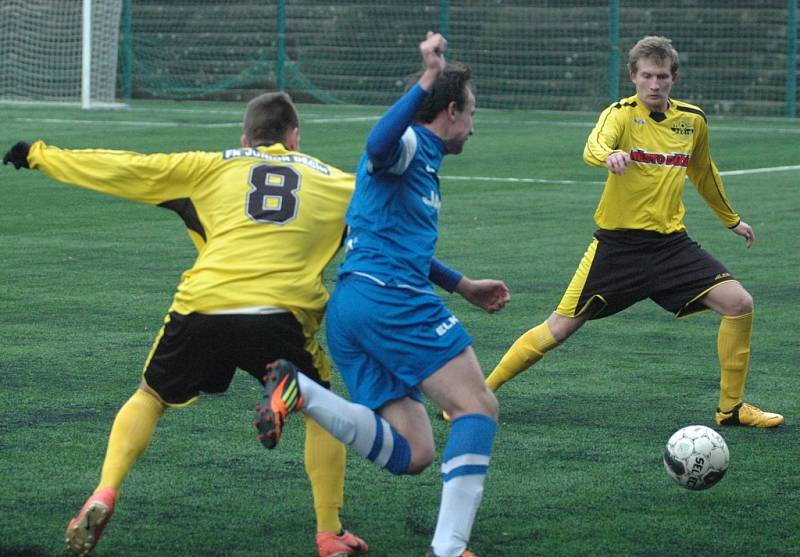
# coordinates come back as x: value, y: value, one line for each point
x: 383, y: 144
x: 432, y: 50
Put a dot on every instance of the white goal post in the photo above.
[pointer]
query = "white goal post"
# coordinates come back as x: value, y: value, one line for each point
x: 59, y: 52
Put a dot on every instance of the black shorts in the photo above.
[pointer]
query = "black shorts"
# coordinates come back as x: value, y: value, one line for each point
x: 622, y: 267
x: 199, y: 353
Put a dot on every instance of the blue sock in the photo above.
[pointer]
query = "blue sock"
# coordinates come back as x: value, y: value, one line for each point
x: 464, y: 466
x: 390, y: 450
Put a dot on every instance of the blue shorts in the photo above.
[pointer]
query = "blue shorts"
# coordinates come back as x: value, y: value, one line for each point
x: 385, y: 340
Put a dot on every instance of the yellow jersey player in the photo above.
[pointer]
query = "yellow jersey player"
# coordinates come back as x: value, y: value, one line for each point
x: 650, y: 143
x: 266, y: 219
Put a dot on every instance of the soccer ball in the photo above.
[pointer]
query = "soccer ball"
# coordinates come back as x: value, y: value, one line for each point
x: 696, y: 457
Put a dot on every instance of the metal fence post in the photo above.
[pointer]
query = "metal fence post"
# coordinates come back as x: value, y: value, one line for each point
x: 791, y: 58
x: 613, y: 53
x: 280, y: 62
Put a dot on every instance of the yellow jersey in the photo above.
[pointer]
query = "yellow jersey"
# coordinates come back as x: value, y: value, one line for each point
x: 266, y: 220
x: 664, y: 148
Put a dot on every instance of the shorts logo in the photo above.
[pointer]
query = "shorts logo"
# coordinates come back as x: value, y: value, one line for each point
x: 447, y: 325
x: 722, y: 276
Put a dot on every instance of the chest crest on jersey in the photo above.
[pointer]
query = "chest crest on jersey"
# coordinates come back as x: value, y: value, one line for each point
x: 682, y: 127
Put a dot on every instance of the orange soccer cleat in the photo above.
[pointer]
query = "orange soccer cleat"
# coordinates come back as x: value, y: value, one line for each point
x: 84, y: 531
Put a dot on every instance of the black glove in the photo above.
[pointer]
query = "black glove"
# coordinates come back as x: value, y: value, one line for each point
x: 18, y: 155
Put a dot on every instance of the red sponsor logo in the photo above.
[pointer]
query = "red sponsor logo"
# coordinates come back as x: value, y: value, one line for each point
x: 674, y: 159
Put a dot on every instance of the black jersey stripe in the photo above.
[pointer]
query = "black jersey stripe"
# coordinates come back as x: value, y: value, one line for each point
x: 608, y: 113
x: 186, y: 210
x: 722, y: 197
x: 692, y: 110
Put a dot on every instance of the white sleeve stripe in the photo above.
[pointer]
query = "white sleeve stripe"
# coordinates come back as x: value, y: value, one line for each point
x: 388, y: 445
x: 465, y: 460
x: 407, y: 152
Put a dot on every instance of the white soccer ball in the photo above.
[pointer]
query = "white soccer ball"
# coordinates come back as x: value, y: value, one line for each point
x: 696, y: 457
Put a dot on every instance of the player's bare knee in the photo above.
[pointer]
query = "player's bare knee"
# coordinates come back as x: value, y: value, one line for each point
x: 739, y: 304
x: 746, y: 304
x: 483, y: 402
x: 421, y: 458
x: 562, y: 327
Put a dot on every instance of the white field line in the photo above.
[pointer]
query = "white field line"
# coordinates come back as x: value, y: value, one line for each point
x: 518, y: 180
x: 760, y: 170
x: 347, y: 119
x: 143, y: 124
x: 479, y: 120
x: 137, y: 123
x: 589, y: 125
x: 589, y: 182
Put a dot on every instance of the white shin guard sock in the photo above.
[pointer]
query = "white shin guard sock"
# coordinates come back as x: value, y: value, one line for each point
x: 355, y: 425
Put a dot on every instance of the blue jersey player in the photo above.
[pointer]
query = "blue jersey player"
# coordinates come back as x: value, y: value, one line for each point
x: 389, y: 333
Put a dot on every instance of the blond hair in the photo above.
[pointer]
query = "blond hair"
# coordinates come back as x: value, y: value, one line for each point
x: 655, y: 47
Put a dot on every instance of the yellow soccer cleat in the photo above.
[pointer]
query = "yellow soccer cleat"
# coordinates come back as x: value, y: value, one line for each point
x: 330, y: 544
x: 748, y: 415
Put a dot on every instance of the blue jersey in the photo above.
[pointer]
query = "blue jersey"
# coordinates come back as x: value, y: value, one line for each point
x: 393, y: 217
x: 387, y: 330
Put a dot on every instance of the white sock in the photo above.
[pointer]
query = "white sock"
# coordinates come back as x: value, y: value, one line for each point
x: 356, y: 426
x: 464, y: 465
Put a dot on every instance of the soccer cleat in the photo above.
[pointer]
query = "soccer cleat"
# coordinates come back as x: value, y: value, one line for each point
x: 84, y: 531
x: 281, y: 397
x: 467, y: 553
x: 330, y: 544
x: 748, y: 415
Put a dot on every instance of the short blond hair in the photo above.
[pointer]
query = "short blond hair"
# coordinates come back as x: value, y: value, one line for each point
x: 655, y: 47
x: 269, y: 118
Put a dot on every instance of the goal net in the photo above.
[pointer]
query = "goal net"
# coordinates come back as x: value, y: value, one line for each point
x: 59, y: 51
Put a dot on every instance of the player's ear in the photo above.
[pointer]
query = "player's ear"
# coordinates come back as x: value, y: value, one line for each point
x: 293, y: 140
x: 452, y: 109
x: 244, y: 142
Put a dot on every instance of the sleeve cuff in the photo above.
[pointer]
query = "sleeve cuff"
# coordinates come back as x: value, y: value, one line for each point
x: 443, y: 276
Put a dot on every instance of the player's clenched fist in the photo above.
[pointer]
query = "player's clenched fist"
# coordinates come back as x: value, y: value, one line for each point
x: 432, y: 49
x: 618, y: 162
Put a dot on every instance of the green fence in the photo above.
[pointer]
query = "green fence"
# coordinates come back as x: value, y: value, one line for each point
x: 738, y: 57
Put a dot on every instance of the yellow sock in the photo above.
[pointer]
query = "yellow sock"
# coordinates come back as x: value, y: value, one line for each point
x: 325, y: 459
x: 733, y: 346
x: 130, y: 436
x: 526, y: 351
